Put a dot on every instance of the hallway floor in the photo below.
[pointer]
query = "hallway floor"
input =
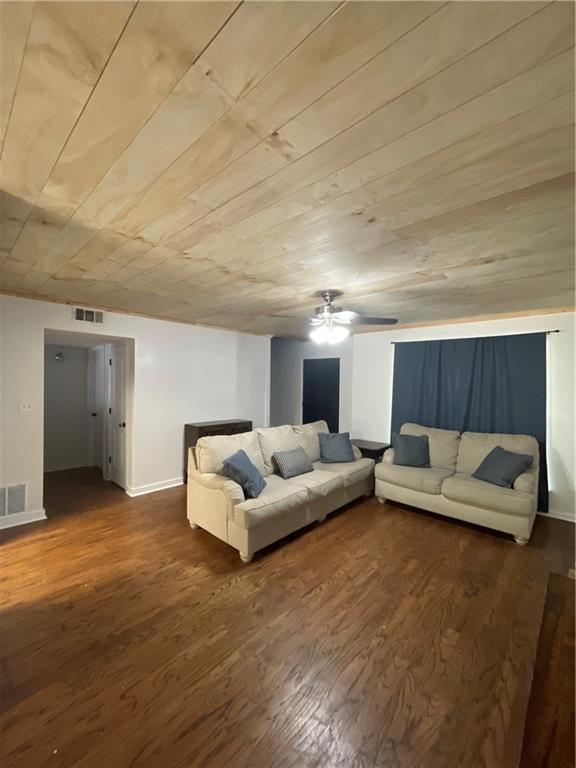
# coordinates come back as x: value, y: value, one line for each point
x: 74, y: 490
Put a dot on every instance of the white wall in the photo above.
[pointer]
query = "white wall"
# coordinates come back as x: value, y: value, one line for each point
x: 65, y: 408
x: 182, y: 373
x: 373, y: 364
x: 286, y: 379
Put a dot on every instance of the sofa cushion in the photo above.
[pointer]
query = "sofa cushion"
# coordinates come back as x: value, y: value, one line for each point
x: 443, y: 444
x: 477, y: 493
x: 319, y: 483
x: 502, y: 467
x: 350, y: 471
x: 335, y: 448
x: 411, y: 450
x: 212, y: 451
x: 278, y: 498
x: 277, y: 439
x: 239, y: 468
x: 423, y: 479
x: 309, y: 434
x: 475, y: 446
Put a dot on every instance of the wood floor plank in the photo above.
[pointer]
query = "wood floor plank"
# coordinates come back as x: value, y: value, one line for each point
x: 549, y: 732
x: 383, y: 637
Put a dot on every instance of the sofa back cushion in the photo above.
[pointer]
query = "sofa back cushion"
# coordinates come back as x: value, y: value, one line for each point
x: 442, y: 444
x: 211, y: 452
x: 475, y: 446
x: 309, y: 433
x: 276, y: 440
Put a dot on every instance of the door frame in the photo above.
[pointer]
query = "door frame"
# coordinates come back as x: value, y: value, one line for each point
x: 301, y: 383
x: 108, y: 416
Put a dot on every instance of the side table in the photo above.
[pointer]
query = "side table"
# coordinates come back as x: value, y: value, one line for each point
x: 370, y: 449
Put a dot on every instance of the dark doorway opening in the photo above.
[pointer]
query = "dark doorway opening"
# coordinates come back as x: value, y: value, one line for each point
x: 321, y: 391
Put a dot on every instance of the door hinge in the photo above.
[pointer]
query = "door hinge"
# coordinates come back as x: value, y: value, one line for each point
x: 110, y: 361
x: 110, y: 410
x: 109, y: 459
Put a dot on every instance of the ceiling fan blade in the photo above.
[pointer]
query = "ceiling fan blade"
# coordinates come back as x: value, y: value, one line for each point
x: 363, y: 320
x: 303, y: 318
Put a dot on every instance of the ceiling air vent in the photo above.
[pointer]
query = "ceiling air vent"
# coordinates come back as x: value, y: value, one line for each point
x: 87, y: 315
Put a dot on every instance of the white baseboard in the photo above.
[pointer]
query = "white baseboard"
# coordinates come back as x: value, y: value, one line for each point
x: 20, y: 518
x: 558, y: 516
x: 140, y: 490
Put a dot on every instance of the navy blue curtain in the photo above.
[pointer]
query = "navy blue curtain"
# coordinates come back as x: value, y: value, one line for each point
x: 494, y: 384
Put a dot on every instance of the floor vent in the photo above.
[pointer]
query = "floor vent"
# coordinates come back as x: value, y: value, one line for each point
x: 12, y: 499
x: 87, y: 315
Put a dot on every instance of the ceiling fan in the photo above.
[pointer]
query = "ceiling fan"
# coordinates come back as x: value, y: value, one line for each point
x: 330, y: 324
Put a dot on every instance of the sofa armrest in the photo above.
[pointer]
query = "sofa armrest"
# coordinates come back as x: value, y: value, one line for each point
x: 214, y: 482
x: 357, y: 453
x: 388, y: 457
x: 526, y: 482
x: 210, y: 501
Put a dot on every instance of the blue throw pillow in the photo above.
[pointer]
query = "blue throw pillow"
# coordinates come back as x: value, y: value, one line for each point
x: 335, y: 448
x: 502, y: 467
x: 411, y: 450
x: 292, y: 463
x: 239, y: 468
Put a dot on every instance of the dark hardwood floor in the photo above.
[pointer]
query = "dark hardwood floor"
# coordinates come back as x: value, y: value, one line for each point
x: 380, y: 638
x: 549, y: 731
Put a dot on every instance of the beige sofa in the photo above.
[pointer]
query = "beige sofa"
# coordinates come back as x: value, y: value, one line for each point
x: 217, y: 504
x: 448, y: 488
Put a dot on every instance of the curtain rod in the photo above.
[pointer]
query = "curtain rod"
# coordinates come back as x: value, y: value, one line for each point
x: 461, y: 338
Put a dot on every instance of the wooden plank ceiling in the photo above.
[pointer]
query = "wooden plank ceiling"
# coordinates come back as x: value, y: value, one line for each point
x: 219, y: 163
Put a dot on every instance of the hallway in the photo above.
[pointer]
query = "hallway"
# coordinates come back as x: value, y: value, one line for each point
x: 72, y: 491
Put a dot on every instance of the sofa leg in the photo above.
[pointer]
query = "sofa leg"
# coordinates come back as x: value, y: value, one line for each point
x: 245, y: 557
x: 192, y: 525
x: 381, y: 500
x: 520, y: 540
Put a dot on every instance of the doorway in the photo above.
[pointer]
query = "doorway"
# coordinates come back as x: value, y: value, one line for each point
x: 321, y: 391
x: 88, y: 385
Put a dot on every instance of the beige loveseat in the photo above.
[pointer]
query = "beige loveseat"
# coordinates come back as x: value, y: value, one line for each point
x: 217, y: 504
x: 448, y: 488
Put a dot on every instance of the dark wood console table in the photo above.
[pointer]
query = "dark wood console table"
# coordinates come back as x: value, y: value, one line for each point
x: 193, y: 432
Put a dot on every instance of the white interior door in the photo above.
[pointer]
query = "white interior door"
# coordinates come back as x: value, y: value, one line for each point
x: 96, y: 405
x: 118, y: 368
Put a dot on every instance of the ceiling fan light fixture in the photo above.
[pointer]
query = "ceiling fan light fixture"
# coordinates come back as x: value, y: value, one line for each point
x: 328, y: 333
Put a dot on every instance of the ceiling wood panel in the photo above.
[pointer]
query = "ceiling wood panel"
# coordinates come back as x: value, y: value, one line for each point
x: 220, y: 162
x: 157, y: 46
x: 15, y: 19
x: 67, y: 48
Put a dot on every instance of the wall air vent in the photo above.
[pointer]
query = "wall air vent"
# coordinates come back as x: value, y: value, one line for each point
x: 87, y: 315
x: 12, y: 499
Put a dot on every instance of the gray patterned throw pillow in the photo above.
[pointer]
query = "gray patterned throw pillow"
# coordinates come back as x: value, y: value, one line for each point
x: 292, y: 463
